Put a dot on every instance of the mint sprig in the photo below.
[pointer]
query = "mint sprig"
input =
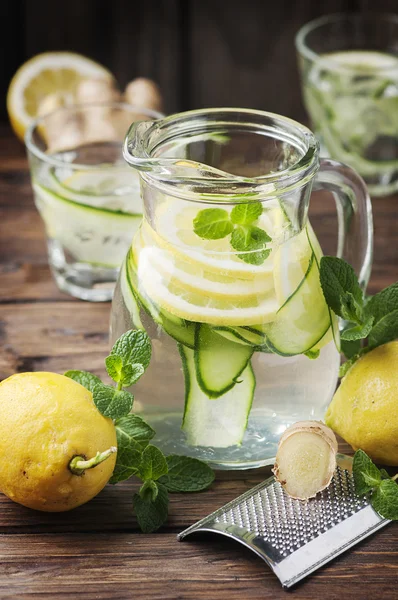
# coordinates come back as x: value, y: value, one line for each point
x: 369, y: 322
x: 129, y: 358
x: 247, y: 239
x: 368, y: 479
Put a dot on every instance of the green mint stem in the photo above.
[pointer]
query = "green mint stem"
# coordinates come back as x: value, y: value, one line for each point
x: 119, y: 386
x: 79, y: 464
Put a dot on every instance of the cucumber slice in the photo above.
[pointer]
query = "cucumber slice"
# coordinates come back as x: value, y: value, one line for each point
x: 334, y: 320
x: 244, y: 335
x: 255, y: 338
x: 129, y: 297
x: 92, y: 235
x: 180, y: 330
x: 218, y: 363
x: 303, y: 320
x: 230, y: 334
x: 108, y: 186
x: 216, y: 423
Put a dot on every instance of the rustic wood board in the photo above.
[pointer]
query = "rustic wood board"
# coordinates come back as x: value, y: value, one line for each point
x: 97, y: 551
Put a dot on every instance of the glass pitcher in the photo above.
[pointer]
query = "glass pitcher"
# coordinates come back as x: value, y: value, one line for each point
x: 223, y: 274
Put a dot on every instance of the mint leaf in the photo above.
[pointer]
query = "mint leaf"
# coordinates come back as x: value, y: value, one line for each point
x: 114, y: 366
x: 383, y: 303
x: 87, y: 380
x: 351, y: 310
x: 133, y: 347
x: 349, y: 347
x: 133, y: 435
x: 149, y: 490
x: 255, y: 258
x: 133, y: 431
x: 153, y: 464
x: 385, y: 499
x: 385, y: 330
x: 252, y: 240
x: 345, y: 367
x: 123, y: 374
x: 128, y: 459
x: 244, y: 214
x: 131, y: 374
x: 338, y: 279
x: 366, y: 475
x: 110, y: 402
x: 212, y: 224
x: 359, y: 332
x: 384, y: 474
x: 187, y: 474
x: 152, y: 514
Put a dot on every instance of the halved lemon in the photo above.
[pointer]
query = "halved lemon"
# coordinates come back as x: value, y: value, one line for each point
x: 43, y: 75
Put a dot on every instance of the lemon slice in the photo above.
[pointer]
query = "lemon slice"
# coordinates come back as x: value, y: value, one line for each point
x: 195, y: 278
x: 199, y: 307
x: 46, y: 74
x: 174, y: 231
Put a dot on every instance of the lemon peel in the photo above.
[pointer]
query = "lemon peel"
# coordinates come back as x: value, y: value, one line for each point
x: 47, y: 420
x: 364, y: 410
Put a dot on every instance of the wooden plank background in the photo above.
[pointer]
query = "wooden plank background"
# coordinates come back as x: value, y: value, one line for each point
x: 202, y: 52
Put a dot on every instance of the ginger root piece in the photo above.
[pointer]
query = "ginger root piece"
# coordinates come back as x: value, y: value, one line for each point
x: 61, y: 130
x: 95, y: 89
x: 306, y: 459
x: 98, y: 125
x: 145, y: 93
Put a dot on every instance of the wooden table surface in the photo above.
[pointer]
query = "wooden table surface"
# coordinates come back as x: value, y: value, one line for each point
x: 96, y: 551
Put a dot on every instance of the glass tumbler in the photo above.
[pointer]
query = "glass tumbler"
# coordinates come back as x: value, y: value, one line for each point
x: 87, y: 197
x: 349, y: 76
x: 223, y: 274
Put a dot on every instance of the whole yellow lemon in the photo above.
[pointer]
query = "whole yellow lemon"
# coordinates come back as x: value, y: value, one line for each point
x: 46, y: 420
x: 364, y: 410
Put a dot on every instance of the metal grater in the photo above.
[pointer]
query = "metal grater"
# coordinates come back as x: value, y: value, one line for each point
x: 293, y: 537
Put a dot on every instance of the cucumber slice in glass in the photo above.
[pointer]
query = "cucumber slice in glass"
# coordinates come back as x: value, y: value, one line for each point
x: 108, y: 186
x: 93, y: 235
x: 219, y: 363
x: 303, y: 320
x: 244, y: 335
x: 216, y: 423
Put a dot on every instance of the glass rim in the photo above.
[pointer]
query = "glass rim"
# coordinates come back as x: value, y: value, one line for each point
x: 56, y: 162
x: 170, y: 174
x: 300, y: 37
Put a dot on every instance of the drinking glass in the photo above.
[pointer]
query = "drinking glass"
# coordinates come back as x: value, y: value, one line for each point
x: 87, y: 197
x: 349, y: 76
x: 223, y: 274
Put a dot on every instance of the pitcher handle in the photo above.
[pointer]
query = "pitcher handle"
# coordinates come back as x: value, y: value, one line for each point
x: 354, y: 211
